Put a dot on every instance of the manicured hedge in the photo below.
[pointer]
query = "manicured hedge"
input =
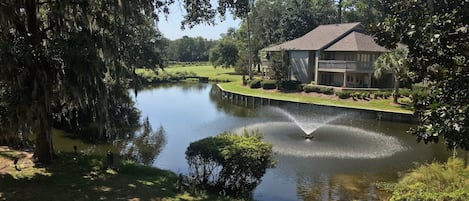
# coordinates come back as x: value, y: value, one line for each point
x: 269, y: 84
x: 318, y: 89
x: 255, y: 84
x: 343, y: 94
x: 290, y: 85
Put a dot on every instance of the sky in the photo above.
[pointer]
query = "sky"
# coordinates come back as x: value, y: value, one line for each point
x: 171, y: 28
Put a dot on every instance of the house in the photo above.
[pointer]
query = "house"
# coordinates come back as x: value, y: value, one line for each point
x: 340, y: 55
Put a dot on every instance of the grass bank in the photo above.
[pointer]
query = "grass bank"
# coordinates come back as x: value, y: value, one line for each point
x: 83, y: 177
x: 214, y: 74
x: 374, y: 104
x: 232, y: 82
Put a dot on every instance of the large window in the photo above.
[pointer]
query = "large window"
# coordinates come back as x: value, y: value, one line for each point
x: 363, y: 57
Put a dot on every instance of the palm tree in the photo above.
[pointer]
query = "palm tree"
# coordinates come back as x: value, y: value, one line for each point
x: 396, y: 63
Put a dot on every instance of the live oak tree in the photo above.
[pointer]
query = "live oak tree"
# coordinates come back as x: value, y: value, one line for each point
x: 436, y: 33
x: 62, y: 56
x: 224, y: 53
x: 367, y: 12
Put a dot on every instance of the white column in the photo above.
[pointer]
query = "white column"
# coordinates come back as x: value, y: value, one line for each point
x: 316, y: 66
x: 345, y: 79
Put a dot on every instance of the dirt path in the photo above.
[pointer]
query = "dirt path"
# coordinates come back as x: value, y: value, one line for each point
x: 7, y: 157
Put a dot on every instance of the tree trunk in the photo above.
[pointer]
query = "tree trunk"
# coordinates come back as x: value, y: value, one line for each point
x: 339, y: 12
x: 396, y: 90
x: 42, y: 126
x: 41, y: 88
x: 43, y: 152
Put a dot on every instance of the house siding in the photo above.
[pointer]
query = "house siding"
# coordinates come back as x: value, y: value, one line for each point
x: 299, y: 66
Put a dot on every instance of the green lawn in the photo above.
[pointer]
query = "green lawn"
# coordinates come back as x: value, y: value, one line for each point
x: 214, y: 74
x: 378, y: 105
x: 83, y: 177
x: 234, y: 85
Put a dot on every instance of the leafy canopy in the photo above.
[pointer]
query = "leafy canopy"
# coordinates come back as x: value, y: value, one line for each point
x: 60, y: 57
x: 229, y: 162
x: 436, y: 33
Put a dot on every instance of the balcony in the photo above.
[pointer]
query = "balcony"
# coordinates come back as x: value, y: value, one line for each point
x: 345, y: 66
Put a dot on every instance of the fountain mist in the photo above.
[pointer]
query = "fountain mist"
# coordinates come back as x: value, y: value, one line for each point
x: 308, y: 124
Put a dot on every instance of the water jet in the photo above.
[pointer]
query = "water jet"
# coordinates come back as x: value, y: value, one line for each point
x: 315, y: 135
x: 307, y: 123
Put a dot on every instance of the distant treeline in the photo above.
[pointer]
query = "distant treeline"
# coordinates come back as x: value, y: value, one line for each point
x: 189, y: 49
x: 272, y: 22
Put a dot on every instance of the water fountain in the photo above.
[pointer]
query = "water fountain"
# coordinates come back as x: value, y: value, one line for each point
x: 308, y: 124
x: 330, y: 140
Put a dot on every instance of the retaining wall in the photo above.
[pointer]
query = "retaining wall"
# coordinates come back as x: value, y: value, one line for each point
x: 252, y: 101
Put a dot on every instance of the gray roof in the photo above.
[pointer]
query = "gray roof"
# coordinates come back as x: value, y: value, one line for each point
x: 319, y: 38
x: 356, y: 41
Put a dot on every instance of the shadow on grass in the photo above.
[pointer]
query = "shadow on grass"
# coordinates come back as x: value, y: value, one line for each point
x: 81, y: 177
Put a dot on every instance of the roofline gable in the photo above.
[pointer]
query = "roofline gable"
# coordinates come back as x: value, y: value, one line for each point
x: 359, y: 27
x: 293, y: 44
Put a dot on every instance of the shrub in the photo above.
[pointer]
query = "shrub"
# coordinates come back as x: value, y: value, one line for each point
x: 435, y: 181
x: 421, y: 94
x: 269, y: 84
x: 387, y: 94
x: 404, y: 92
x: 364, y: 95
x: 310, y: 88
x: 229, y: 162
x: 326, y: 90
x: 356, y: 95
x: 318, y: 89
x: 376, y: 94
x: 343, y: 94
x: 290, y: 85
x: 419, y: 90
x: 380, y: 94
x: 302, y: 86
x: 255, y: 84
x: 419, y: 87
x: 368, y: 95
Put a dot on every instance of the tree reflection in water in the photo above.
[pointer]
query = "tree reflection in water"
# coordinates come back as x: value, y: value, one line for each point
x: 340, y: 187
x: 146, y: 145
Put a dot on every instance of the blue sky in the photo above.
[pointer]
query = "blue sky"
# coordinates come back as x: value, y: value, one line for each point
x: 171, y: 28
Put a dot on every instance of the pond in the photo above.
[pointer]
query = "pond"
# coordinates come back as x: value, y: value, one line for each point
x: 345, y: 159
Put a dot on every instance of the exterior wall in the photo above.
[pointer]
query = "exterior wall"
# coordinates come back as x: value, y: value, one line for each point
x: 335, y: 68
x: 331, y: 79
x: 354, y: 68
x: 386, y: 81
x: 299, y: 66
x: 358, y: 80
x: 348, y: 61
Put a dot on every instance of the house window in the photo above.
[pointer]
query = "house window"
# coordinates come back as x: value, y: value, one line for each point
x: 329, y: 56
x: 360, y: 79
x: 364, y: 57
x: 349, y: 57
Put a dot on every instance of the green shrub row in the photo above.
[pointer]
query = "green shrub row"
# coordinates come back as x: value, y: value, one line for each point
x: 343, y: 94
x: 417, y: 91
x: 255, y: 84
x: 269, y: 84
x: 318, y: 89
x: 290, y: 85
x: 156, y: 78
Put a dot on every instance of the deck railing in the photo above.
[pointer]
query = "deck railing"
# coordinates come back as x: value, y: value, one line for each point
x: 346, y: 65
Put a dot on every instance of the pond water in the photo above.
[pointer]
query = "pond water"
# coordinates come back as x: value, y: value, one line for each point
x: 344, y: 160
